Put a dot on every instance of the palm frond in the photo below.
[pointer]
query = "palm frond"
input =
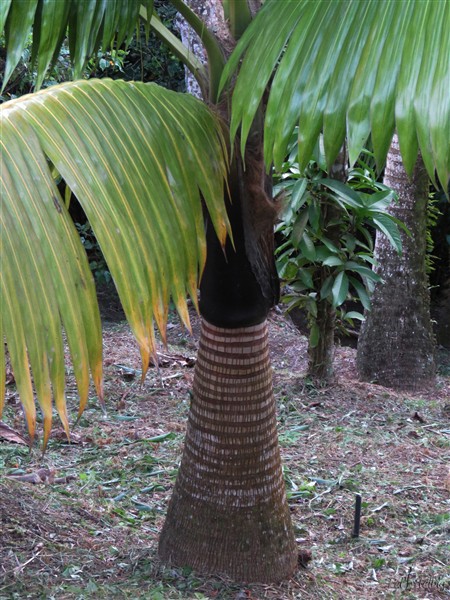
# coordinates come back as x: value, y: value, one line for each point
x: 140, y: 159
x: 354, y: 68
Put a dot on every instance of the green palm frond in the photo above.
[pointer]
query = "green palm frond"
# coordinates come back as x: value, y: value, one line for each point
x: 140, y: 159
x: 354, y: 68
x: 89, y: 24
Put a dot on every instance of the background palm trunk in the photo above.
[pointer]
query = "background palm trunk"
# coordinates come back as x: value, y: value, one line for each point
x: 228, y: 512
x: 396, y: 344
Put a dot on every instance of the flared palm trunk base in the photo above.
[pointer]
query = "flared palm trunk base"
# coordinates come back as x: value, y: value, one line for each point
x: 228, y: 513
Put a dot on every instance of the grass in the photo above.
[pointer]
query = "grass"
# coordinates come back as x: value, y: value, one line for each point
x: 94, y: 533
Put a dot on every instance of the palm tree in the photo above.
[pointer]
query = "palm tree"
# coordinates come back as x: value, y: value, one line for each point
x: 143, y: 162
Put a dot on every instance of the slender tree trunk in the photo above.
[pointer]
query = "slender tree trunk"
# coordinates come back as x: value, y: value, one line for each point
x: 228, y: 512
x: 396, y: 344
x: 321, y: 356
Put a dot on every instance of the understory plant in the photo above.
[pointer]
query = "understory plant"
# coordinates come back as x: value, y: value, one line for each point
x: 327, y: 250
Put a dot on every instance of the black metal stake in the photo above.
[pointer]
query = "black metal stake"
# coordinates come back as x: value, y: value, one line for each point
x: 357, y: 520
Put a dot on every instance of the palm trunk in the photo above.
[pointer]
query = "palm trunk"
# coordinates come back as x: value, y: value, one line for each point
x: 396, y: 344
x: 228, y: 512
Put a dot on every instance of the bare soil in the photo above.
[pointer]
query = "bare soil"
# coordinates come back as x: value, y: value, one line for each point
x: 90, y: 528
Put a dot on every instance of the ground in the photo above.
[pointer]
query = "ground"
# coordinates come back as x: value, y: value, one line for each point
x: 90, y: 529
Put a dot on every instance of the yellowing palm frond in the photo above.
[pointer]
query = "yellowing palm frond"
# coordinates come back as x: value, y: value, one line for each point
x: 140, y: 159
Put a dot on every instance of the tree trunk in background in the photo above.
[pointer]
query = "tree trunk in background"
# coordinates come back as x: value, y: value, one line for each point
x: 396, y: 344
x: 210, y: 12
x: 321, y: 356
x: 228, y: 512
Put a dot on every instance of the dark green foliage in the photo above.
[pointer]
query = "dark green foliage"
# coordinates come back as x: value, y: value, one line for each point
x: 97, y: 262
x: 317, y: 206
x: 143, y: 60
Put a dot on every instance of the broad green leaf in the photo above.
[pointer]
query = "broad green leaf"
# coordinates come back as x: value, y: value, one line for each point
x: 290, y: 272
x: 306, y: 277
x: 361, y: 291
x: 367, y: 236
x: 386, y: 224
x: 311, y: 304
x: 344, y: 191
x: 298, y: 286
x: 339, y: 290
x: 322, y: 252
x: 307, y: 247
x: 350, y: 242
x: 298, y: 229
x: 380, y: 200
x: 298, y: 197
x: 367, y: 258
x: 139, y: 159
x: 332, y: 261
x: 314, y: 213
x: 326, y: 288
x: 329, y: 244
x: 362, y: 270
x: 354, y: 315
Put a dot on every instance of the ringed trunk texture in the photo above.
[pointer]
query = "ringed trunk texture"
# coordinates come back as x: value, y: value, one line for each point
x: 396, y: 344
x: 228, y: 513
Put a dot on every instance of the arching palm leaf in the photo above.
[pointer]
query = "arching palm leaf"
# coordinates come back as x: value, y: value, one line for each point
x: 355, y: 67
x: 139, y: 159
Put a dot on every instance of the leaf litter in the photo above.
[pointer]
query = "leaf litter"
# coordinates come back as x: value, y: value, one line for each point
x: 83, y: 521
